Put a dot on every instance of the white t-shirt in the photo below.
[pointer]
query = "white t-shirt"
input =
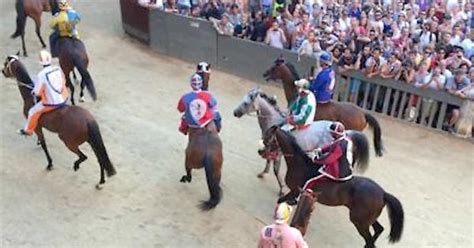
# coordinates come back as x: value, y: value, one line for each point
x: 146, y: 3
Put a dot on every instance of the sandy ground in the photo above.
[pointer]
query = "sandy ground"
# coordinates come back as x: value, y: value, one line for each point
x: 146, y: 206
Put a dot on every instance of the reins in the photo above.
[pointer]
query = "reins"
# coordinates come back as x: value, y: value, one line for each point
x: 10, y: 72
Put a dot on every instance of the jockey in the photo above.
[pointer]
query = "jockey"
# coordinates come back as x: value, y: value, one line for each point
x: 337, y: 159
x: 63, y: 24
x: 51, y: 88
x: 280, y: 234
x: 199, y: 107
x: 323, y: 85
x: 203, y: 68
x: 303, y: 109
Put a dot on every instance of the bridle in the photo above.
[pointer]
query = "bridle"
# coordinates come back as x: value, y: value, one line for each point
x: 8, y: 67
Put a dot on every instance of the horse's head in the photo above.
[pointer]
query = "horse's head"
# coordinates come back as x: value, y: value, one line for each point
x: 247, y: 105
x: 276, y: 71
x: 269, y: 136
x: 303, y: 210
x: 9, y: 66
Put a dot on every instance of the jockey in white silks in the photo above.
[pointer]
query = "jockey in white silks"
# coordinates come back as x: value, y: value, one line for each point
x: 308, y: 133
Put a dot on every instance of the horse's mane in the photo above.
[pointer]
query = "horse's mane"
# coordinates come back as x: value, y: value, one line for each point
x: 272, y: 101
x: 22, y: 74
x: 293, y: 70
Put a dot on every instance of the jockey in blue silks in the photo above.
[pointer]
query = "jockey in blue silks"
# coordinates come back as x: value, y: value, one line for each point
x: 323, y: 85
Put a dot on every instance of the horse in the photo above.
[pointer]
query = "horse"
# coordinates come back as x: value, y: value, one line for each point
x: 73, y: 54
x: 348, y: 114
x: 204, y: 149
x: 74, y: 125
x: 315, y: 136
x: 268, y: 114
x: 303, y: 211
x: 364, y: 197
x: 32, y: 9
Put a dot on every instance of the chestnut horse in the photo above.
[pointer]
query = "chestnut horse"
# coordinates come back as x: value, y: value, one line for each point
x: 205, y: 150
x: 348, y: 114
x: 364, y: 198
x: 303, y: 211
x: 72, y: 54
x: 32, y: 9
x: 74, y: 125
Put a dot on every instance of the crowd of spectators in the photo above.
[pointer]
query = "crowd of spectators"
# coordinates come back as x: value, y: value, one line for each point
x: 427, y: 43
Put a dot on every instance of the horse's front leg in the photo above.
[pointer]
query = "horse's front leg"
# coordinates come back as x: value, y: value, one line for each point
x: 71, y: 87
x: 276, y: 170
x: 265, y: 170
x: 39, y: 133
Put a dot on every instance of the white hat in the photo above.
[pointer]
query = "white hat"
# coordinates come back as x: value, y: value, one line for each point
x: 302, y: 83
x: 44, y: 57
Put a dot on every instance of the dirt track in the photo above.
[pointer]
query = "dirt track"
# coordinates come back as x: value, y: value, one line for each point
x: 146, y: 206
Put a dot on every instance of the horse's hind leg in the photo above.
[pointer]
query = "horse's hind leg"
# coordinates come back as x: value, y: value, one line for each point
x: 70, y: 86
x: 378, y: 229
x: 81, y: 94
x: 360, y: 221
x: 82, y: 157
x: 37, y: 20
x: 41, y: 140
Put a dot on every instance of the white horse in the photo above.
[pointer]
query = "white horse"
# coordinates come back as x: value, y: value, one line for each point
x: 315, y: 136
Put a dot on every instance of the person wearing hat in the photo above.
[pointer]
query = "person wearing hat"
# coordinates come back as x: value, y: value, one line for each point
x: 335, y: 159
x: 323, y: 85
x: 198, y: 106
x: 280, y: 234
x: 51, y: 88
x: 303, y: 109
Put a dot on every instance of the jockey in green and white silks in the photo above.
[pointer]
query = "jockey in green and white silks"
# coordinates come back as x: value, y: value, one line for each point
x: 303, y: 109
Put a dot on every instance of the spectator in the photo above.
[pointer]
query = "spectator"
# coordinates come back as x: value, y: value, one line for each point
x: 392, y: 67
x: 214, y: 9
x: 435, y: 81
x: 235, y: 18
x: 170, y: 6
x: 297, y: 39
x: 310, y: 46
x: 347, y: 60
x: 151, y: 4
x: 455, y: 86
x: 184, y: 6
x: 257, y: 27
x: 275, y: 36
x: 223, y: 26
x: 374, y: 63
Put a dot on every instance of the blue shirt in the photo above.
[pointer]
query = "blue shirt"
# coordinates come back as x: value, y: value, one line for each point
x: 323, y: 85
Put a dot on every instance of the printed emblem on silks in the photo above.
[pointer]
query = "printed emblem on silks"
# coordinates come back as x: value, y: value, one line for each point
x: 198, y: 109
x: 55, y: 81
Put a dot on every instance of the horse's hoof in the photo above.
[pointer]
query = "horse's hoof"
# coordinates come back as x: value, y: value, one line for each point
x: 82, y: 99
x: 49, y: 167
x: 261, y: 175
x: 75, y: 167
x: 281, y: 194
x: 183, y: 179
x: 99, y: 186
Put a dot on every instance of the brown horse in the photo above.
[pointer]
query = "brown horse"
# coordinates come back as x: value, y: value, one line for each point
x: 32, y: 9
x: 73, y: 54
x: 74, y: 125
x: 364, y: 198
x: 303, y: 211
x: 348, y: 114
x: 205, y: 150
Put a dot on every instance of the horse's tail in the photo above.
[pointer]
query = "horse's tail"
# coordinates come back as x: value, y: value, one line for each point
x: 95, y: 140
x: 374, y: 124
x: 361, y: 155
x: 213, y: 182
x: 396, y: 216
x: 20, y: 19
x: 86, y: 77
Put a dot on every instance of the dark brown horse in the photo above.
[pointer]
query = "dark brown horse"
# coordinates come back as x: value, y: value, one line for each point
x: 73, y: 54
x: 74, y: 125
x: 205, y: 150
x: 32, y: 9
x: 364, y: 198
x: 348, y: 114
x: 303, y: 211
